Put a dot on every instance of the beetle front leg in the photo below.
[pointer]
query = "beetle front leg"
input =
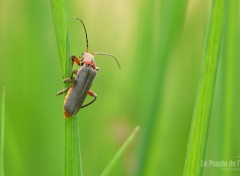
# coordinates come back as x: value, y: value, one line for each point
x: 91, y: 93
x: 76, y: 60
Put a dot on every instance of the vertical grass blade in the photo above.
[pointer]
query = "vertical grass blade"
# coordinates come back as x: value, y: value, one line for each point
x: 59, y: 11
x: 203, y: 104
x: 167, y: 19
x: 228, y: 73
x: 2, y: 124
x: 73, y: 166
x: 120, y: 152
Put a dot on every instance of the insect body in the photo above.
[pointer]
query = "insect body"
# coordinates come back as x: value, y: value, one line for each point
x: 81, y: 83
x: 79, y: 90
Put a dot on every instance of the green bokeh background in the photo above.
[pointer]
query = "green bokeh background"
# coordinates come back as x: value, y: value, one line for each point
x: 160, y: 45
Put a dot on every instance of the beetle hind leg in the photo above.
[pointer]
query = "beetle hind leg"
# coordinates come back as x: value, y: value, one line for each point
x: 91, y: 93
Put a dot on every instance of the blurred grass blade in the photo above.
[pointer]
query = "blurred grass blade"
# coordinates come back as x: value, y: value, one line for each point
x: 168, y: 21
x: 73, y: 166
x: 120, y: 152
x: 2, y: 120
x: 201, y: 116
x: 229, y: 75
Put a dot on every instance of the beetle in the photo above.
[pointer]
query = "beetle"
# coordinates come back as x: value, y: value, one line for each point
x: 80, y: 84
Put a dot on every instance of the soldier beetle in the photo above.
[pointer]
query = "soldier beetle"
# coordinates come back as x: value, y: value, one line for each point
x: 81, y: 83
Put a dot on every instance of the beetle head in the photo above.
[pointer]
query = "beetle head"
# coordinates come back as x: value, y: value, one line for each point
x: 88, y: 60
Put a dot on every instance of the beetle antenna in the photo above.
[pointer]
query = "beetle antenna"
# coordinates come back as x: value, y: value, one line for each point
x: 106, y: 54
x: 84, y: 30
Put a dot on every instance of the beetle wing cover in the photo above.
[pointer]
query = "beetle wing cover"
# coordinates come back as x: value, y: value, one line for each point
x: 78, y: 93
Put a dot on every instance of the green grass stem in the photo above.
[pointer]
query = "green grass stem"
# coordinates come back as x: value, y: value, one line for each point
x: 2, y: 124
x: 229, y: 62
x: 120, y: 152
x: 201, y: 116
x: 73, y: 166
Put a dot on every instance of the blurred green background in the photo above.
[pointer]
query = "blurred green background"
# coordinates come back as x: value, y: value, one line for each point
x: 160, y: 45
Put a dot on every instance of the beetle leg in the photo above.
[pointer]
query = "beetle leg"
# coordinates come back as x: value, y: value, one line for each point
x: 76, y: 60
x: 91, y: 93
x: 71, y: 79
x: 68, y: 80
x: 62, y: 91
x: 74, y: 72
x: 67, y: 88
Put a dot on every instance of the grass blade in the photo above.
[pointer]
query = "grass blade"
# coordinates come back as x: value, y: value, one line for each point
x: 120, y: 152
x: 59, y: 11
x: 167, y: 18
x: 73, y: 166
x: 203, y: 104
x: 2, y: 120
x: 229, y: 62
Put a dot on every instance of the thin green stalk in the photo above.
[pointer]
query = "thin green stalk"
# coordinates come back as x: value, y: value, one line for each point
x: 2, y: 120
x: 203, y: 104
x: 73, y: 164
x: 229, y: 62
x: 229, y: 69
x: 120, y: 152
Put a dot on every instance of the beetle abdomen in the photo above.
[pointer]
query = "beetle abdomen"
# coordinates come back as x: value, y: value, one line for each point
x: 78, y: 92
